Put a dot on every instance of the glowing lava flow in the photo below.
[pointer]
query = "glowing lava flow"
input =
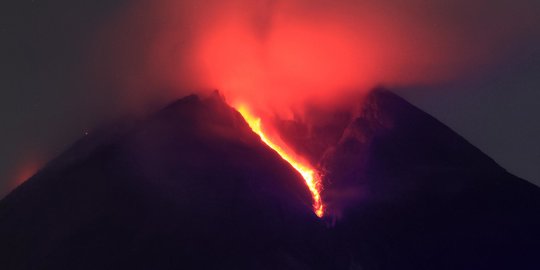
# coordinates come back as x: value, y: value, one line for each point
x: 309, y: 174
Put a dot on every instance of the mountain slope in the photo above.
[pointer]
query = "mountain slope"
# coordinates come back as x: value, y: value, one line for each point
x: 425, y: 198
x: 190, y: 186
x: 193, y: 187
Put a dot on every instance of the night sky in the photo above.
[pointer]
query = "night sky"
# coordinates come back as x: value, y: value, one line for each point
x: 71, y: 66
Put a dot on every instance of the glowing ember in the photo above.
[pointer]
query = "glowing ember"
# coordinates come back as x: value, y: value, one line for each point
x: 309, y: 174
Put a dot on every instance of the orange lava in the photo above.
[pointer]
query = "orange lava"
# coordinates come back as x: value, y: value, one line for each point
x: 310, y: 175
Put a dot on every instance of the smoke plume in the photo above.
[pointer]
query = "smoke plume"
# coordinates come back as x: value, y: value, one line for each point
x: 278, y: 54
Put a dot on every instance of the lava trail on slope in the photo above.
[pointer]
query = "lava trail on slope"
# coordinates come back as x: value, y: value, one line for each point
x: 195, y: 187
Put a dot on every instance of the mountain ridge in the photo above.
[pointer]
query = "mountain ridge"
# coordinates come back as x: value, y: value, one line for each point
x: 192, y: 186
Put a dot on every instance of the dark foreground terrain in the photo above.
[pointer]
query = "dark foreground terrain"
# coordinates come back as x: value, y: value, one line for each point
x: 192, y: 187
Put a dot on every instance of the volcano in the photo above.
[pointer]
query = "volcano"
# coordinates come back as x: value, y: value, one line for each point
x: 193, y: 187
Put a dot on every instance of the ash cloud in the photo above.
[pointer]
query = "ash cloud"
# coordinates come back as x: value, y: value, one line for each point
x: 279, y: 53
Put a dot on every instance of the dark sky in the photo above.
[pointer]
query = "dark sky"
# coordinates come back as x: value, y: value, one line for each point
x: 67, y: 65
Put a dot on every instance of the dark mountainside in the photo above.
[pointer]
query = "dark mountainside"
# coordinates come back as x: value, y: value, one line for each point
x: 426, y: 198
x: 193, y: 187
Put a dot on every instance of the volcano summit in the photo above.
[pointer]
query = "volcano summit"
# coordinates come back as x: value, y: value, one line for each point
x: 193, y: 187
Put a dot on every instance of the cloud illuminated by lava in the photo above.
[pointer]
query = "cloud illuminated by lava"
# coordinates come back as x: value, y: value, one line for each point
x: 276, y: 53
x: 292, y: 56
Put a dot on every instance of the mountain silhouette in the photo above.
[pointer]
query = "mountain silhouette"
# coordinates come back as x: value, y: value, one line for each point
x: 426, y: 198
x: 192, y: 187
